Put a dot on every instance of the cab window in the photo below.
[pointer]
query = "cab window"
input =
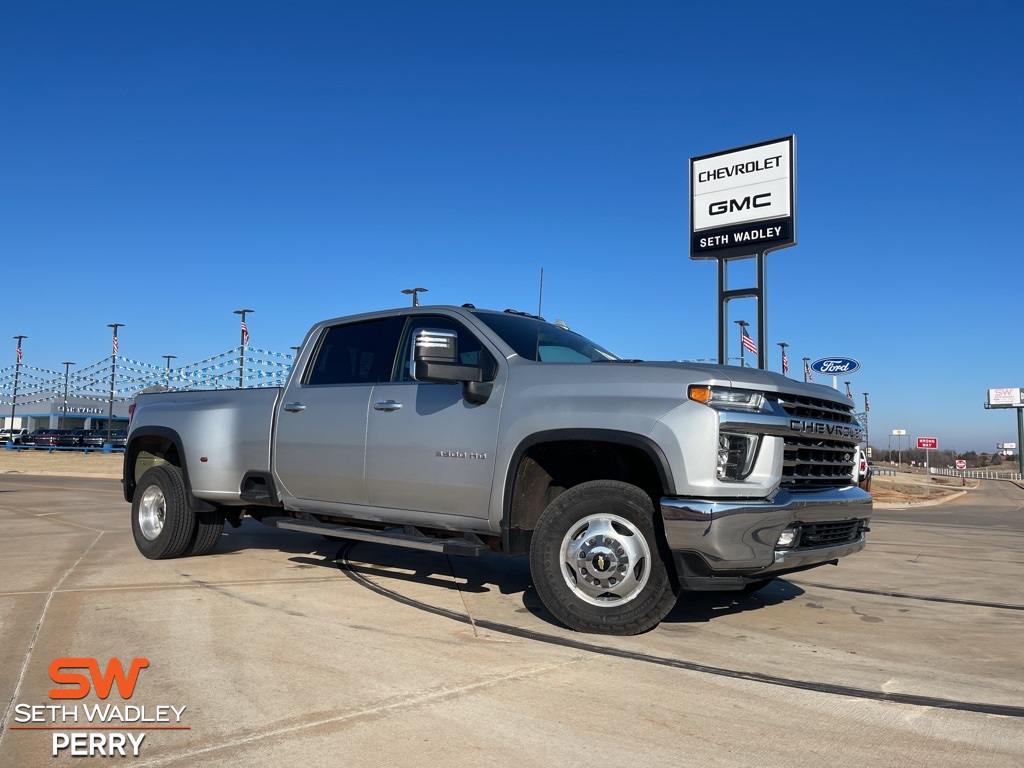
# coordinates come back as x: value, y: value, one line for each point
x: 357, y: 353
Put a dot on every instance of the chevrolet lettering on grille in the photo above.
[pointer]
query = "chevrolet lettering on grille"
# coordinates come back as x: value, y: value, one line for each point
x: 824, y: 428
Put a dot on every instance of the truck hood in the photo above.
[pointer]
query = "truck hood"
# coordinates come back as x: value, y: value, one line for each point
x: 743, y: 378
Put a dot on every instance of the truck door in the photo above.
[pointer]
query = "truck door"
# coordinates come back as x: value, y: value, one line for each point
x: 427, y: 448
x: 321, y: 426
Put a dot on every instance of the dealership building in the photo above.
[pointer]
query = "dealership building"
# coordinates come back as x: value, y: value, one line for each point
x: 82, y: 413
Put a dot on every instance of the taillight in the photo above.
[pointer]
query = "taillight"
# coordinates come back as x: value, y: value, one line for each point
x: 131, y: 414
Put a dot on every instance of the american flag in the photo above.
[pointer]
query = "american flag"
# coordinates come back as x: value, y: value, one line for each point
x: 115, y: 344
x: 245, y: 335
x: 807, y: 372
x: 748, y: 343
x: 849, y: 394
x: 867, y: 405
x: 19, y: 353
x: 785, y: 363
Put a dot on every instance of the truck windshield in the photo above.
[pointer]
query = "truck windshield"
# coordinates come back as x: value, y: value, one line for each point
x: 533, y: 339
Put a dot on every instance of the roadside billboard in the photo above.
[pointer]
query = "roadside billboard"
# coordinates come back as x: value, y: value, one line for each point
x: 1008, y: 397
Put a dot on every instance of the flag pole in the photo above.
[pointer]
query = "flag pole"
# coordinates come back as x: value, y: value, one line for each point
x: 113, y: 373
x: 743, y: 329
x: 14, y: 399
x: 242, y: 345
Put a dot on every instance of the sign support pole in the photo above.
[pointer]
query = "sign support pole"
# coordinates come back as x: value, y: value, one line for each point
x: 1020, y: 441
x: 725, y: 295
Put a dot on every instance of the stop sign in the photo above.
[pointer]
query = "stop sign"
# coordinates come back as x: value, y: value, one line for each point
x: 961, y: 464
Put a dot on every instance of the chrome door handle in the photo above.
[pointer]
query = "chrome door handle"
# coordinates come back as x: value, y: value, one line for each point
x: 387, y: 405
x: 294, y: 407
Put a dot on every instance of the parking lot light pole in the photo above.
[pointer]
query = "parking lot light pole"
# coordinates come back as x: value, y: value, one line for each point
x: 867, y: 410
x: 415, y: 292
x: 113, y: 373
x: 242, y: 346
x: 14, y: 399
x: 168, y: 358
x: 743, y: 327
x: 785, y: 360
x: 64, y: 413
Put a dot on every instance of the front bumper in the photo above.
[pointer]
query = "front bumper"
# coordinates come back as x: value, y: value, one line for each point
x: 737, y: 538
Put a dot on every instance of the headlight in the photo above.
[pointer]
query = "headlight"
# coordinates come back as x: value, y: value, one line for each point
x: 736, y: 454
x: 726, y: 397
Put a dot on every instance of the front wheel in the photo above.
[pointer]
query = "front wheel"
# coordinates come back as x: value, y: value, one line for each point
x: 162, y: 524
x: 596, y: 562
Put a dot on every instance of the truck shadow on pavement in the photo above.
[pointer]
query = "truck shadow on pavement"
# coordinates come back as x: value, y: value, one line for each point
x: 393, y: 572
x: 699, y: 607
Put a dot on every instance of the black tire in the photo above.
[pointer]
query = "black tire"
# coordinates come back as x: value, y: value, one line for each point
x: 596, y: 561
x: 162, y: 524
x: 209, y: 528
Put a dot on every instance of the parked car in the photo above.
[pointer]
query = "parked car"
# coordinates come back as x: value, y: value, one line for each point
x: 31, y: 439
x: 861, y: 470
x: 99, y: 438
x: 73, y: 438
x: 49, y: 438
x: 18, y: 438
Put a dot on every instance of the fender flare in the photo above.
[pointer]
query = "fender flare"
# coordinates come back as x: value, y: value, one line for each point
x: 611, y: 436
x: 131, y: 451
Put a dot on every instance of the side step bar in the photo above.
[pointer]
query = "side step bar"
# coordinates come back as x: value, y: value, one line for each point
x: 408, y: 537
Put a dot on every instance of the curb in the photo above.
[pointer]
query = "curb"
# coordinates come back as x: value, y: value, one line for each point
x: 925, y: 503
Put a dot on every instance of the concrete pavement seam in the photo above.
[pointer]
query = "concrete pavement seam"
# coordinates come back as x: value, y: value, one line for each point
x: 35, y: 638
x: 390, y: 706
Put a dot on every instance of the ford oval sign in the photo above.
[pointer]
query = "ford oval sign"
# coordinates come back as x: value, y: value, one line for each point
x: 835, y: 366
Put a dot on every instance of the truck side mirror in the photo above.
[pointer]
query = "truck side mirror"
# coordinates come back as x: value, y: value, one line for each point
x: 435, y: 357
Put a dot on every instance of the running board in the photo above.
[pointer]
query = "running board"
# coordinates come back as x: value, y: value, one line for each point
x: 408, y: 537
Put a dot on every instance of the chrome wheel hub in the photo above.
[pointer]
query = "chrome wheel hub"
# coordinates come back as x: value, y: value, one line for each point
x: 605, y: 560
x: 152, y: 512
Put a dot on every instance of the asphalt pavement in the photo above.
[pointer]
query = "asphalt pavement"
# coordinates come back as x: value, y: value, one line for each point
x: 286, y: 649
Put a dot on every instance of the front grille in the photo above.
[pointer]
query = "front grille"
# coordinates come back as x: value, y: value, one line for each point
x: 813, y: 408
x: 814, y: 461
x: 828, y: 534
x: 811, y: 463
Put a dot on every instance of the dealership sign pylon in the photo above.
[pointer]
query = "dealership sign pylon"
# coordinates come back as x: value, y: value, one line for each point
x: 743, y: 205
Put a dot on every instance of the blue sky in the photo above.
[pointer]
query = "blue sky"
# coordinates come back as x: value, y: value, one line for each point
x: 165, y: 163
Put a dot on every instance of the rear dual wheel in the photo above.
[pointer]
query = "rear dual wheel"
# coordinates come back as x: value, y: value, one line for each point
x: 163, y: 525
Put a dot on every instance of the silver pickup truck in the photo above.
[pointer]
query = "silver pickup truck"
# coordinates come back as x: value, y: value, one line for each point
x: 465, y: 431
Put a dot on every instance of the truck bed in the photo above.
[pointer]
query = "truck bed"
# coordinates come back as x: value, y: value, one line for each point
x: 223, y: 432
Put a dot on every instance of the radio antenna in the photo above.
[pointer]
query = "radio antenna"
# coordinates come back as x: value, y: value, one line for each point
x: 540, y: 304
